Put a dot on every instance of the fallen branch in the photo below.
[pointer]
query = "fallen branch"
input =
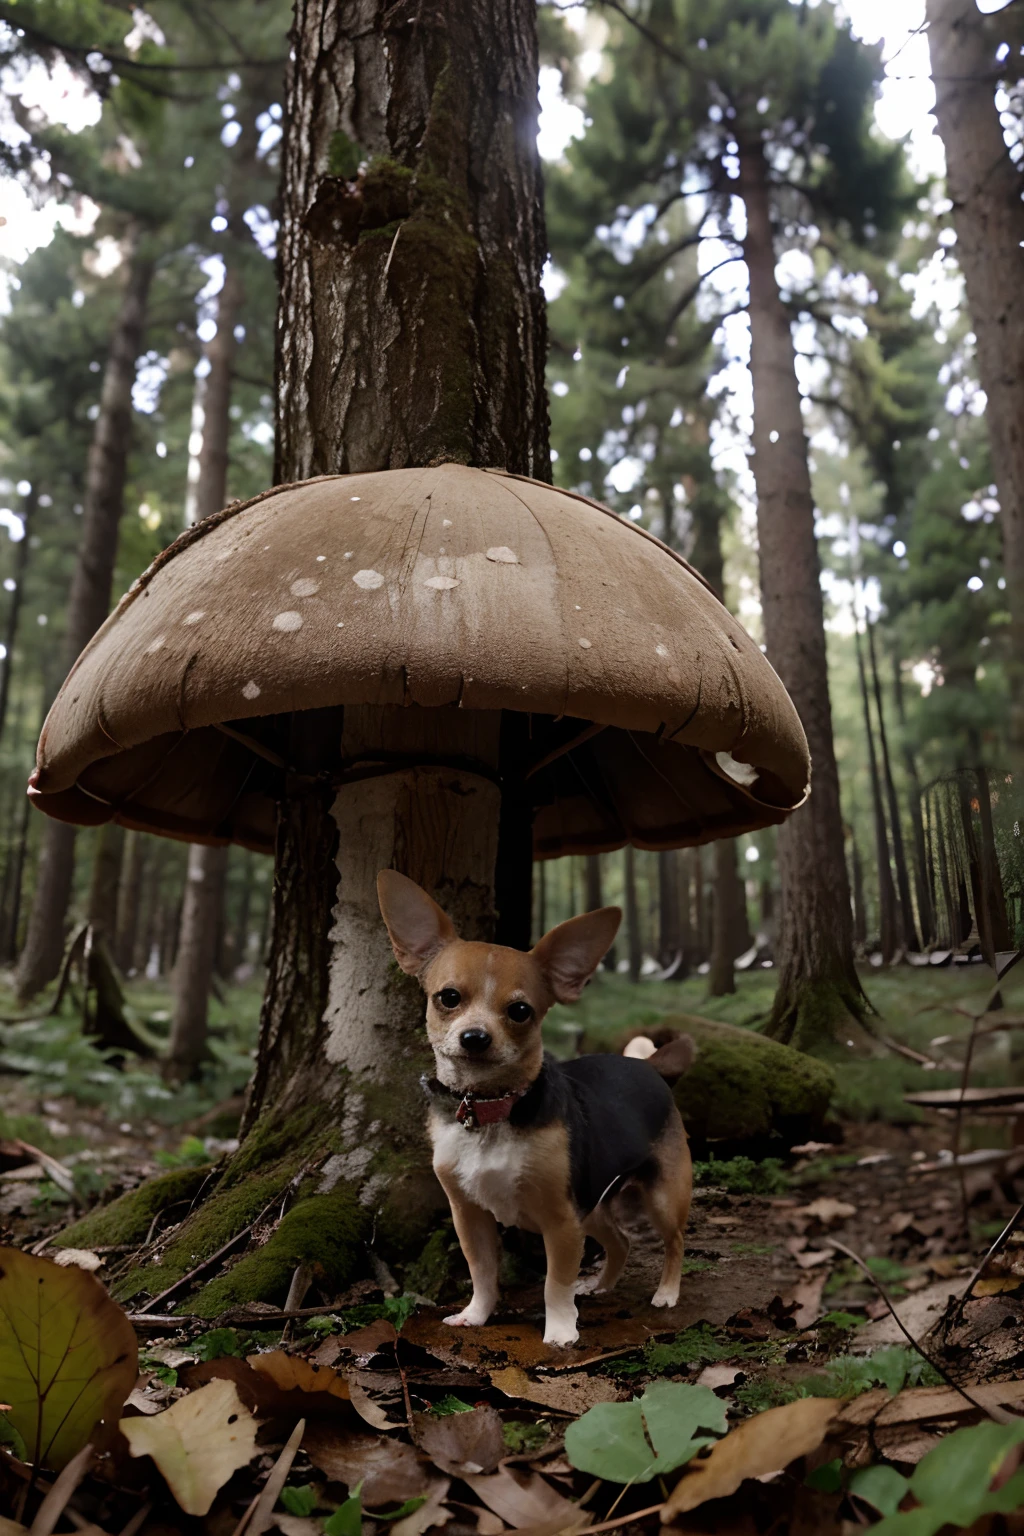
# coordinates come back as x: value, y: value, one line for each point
x: 999, y: 1243
x: 200, y: 1269
x: 995, y: 1413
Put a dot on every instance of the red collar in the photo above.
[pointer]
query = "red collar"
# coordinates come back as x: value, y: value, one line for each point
x: 475, y: 1111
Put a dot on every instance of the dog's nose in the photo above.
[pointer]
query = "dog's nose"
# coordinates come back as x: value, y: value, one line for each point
x: 474, y: 1041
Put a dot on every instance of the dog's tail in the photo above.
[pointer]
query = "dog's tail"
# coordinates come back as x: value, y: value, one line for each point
x: 670, y: 1061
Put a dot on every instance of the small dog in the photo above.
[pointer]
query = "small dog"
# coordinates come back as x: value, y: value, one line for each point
x: 550, y: 1143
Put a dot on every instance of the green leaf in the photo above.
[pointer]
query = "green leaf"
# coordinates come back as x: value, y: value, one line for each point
x: 651, y: 1436
x: 218, y: 1343
x: 914, y: 1522
x: 844, y: 1320
x: 955, y: 1477
x: 881, y: 1487
x: 449, y: 1404
x: 347, y: 1519
x: 68, y: 1357
x: 9, y: 1436
x: 520, y: 1435
x: 299, y: 1501
x: 322, y: 1325
x: 827, y: 1478
x: 408, y: 1508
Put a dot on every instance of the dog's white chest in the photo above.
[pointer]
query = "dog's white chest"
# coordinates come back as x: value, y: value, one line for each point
x: 486, y: 1163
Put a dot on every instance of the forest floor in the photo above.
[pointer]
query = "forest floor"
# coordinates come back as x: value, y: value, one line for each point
x: 771, y: 1314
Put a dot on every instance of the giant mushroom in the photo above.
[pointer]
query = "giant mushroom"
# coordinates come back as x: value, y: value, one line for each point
x: 448, y: 671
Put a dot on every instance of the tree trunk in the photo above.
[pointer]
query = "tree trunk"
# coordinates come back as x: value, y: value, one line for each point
x: 923, y: 876
x: 202, y: 910
x: 634, y: 941
x: 670, y: 924
x: 973, y: 871
x: 197, y: 945
x: 727, y: 919
x: 908, y: 934
x: 951, y: 938
x: 128, y: 901
x: 984, y: 186
x: 105, y: 884
x: 860, y: 918
x: 89, y: 600
x: 888, y: 923
x: 1001, y: 936
x: 818, y: 984
x: 592, y: 882
x: 28, y: 509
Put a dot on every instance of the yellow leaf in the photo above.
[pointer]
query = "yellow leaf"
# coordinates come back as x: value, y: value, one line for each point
x: 291, y: 1372
x: 764, y: 1444
x: 68, y: 1357
x: 198, y: 1443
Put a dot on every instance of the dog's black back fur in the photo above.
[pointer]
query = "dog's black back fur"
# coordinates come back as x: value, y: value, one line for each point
x: 613, y: 1107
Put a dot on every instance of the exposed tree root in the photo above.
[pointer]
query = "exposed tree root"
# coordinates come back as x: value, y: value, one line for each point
x: 814, y: 1014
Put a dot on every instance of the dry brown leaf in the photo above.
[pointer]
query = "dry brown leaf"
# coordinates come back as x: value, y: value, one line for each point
x: 828, y: 1210
x: 718, y: 1376
x: 918, y: 1313
x: 297, y: 1525
x: 904, y: 1443
x: 916, y: 1404
x: 573, y: 1393
x: 812, y: 1257
x: 994, y: 1285
x: 521, y: 1498
x: 461, y: 1442
x: 389, y: 1470
x: 521, y: 1344
x: 430, y: 1514
x: 487, y: 1522
x: 370, y: 1412
x: 198, y: 1444
x: 293, y: 1374
x: 763, y: 1444
x: 807, y: 1296
x: 366, y: 1341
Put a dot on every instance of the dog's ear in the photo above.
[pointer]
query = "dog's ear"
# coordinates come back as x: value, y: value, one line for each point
x: 571, y: 953
x: 417, y: 927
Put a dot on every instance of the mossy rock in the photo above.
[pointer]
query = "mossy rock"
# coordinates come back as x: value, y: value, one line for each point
x: 129, y: 1218
x: 743, y: 1087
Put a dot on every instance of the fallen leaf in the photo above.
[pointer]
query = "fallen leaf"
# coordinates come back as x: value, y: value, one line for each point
x: 715, y: 1376
x: 198, y: 1444
x: 828, y: 1211
x: 649, y: 1437
x: 84, y: 1258
x: 389, y: 1470
x: 916, y: 1404
x: 807, y: 1295
x: 521, y: 1344
x: 261, y: 1394
x: 487, y: 1522
x: 148, y: 1405
x: 293, y: 1374
x: 461, y: 1442
x: 295, y: 1525
x: 918, y: 1313
x: 574, y: 1393
x: 430, y: 1513
x: 68, y: 1357
x: 521, y: 1497
x: 367, y: 1409
x: 995, y: 1285
x: 366, y: 1341
x: 813, y: 1257
x: 763, y: 1444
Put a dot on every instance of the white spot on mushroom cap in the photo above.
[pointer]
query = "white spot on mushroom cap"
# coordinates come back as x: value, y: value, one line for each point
x: 446, y: 522
x: 441, y: 551
x: 661, y: 650
x: 355, y: 498
x: 740, y: 773
x: 304, y: 587
x: 368, y: 580
x: 348, y: 554
x: 194, y: 617
x: 251, y: 691
x: 225, y: 554
x: 441, y: 583
x: 288, y: 621
x: 586, y: 644
x: 578, y: 608
x: 155, y: 645
x: 341, y: 623
x: 503, y: 555
x: 321, y: 557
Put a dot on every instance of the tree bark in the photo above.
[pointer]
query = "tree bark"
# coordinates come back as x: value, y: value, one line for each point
x: 727, y: 919
x: 670, y: 924
x: 860, y: 919
x: 984, y: 186
x: 908, y: 935
x: 592, y: 882
x: 923, y: 875
x: 105, y: 883
x: 197, y: 946
x: 28, y: 509
x: 818, y: 984
x: 1000, y: 932
x: 89, y: 598
x: 128, y: 901
x: 634, y: 941
x: 888, y: 922
x: 202, y: 909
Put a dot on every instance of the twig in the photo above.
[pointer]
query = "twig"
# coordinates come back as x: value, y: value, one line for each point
x: 52, y: 1507
x: 1000, y: 1241
x: 405, y: 1387
x: 200, y: 1269
x: 997, y: 1414
x: 240, y: 1527
x: 262, y: 1516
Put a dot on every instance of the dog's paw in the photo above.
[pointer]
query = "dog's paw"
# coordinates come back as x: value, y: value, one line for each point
x: 559, y: 1335
x: 467, y: 1318
x: 665, y: 1297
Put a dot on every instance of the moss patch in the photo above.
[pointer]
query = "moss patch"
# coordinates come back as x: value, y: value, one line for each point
x: 129, y: 1218
x: 325, y: 1231
x: 743, y: 1086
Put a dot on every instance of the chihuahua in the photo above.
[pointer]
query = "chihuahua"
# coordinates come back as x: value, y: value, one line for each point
x: 525, y: 1140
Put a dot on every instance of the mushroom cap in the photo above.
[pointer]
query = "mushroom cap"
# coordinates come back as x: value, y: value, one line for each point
x: 655, y: 719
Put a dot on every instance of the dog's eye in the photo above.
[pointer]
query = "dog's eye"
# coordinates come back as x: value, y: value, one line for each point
x: 519, y: 1013
x: 448, y: 997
